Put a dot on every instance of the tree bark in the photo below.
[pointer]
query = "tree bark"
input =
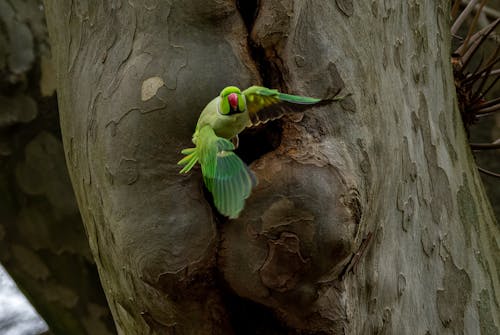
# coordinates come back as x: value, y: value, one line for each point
x: 42, y: 239
x: 369, y: 217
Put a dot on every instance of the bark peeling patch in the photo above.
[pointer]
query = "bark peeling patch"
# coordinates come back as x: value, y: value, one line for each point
x: 398, y: 52
x: 128, y: 172
x: 440, y: 186
x: 413, y: 14
x: 284, y: 264
x: 365, y: 164
x: 486, y: 321
x: 407, y: 187
x: 467, y: 209
x: 452, y: 299
x: 352, y: 201
x: 428, y: 245
x: 346, y: 7
x: 150, y: 86
x: 449, y: 146
x: 408, y: 211
x: 401, y: 284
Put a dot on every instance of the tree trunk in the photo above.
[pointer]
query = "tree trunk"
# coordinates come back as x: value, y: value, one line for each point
x: 42, y: 240
x: 369, y: 216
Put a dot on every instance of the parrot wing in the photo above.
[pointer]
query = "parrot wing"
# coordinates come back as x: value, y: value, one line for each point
x: 226, y: 176
x: 264, y: 104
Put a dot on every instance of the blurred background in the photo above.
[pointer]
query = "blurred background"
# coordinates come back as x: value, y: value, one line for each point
x: 17, y: 316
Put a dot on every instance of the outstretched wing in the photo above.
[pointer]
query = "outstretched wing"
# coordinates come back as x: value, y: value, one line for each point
x: 226, y: 176
x: 264, y: 104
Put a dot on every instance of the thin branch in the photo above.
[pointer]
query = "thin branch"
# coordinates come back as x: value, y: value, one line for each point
x: 494, y: 72
x: 455, y: 9
x: 474, y: 76
x: 472, y: 50
x: 488, y: 172
x: 485, y: 104
x: 463, y: 47
x: 476, y: 69
x: 474, y: 23
x: 463, y: 16
x: 492, y: 13
x: 483, y: 93
x: 488, y: 110
x: 478, y: 94
x: 485, y: 146
x: 492, y: 60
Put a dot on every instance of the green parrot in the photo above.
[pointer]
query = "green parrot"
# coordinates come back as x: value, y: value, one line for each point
x: 225, y: 175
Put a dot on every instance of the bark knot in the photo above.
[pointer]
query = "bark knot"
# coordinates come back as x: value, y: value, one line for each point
x: 284, y: 264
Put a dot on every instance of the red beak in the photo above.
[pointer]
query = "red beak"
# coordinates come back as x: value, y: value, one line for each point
x: 233, y: 100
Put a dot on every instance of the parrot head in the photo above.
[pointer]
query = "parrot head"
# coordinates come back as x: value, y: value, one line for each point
x: 232, y: 101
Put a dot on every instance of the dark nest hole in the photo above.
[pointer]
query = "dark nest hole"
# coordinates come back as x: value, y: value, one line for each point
x: 248, y: 10
x: 258, y: 141
x: 250, y: 318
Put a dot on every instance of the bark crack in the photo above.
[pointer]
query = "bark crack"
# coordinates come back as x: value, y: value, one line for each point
x: 256, y: 142
x: 248, y: 10
x: 267, y: 60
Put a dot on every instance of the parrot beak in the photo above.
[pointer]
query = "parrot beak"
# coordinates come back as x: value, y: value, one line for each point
x: 233, y: 101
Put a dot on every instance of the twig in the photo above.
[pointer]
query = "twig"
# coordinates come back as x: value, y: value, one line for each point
x: 463, y: 16
x: 475, y: 46
x: 474, y: 76
x: 488, y: 110
x: 485, y: 146
x: 455, y: 9
x: 473, y: 24
x: 478, y: 35
x: 494, y: 14
x: 485, y: 104
x: 483, y: 93
x: 488, y: 172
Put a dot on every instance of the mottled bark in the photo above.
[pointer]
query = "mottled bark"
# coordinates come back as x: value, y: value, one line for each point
x: 369, y: 216
x: 42, y: 239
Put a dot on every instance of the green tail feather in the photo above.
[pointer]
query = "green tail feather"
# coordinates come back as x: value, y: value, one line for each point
x: 190, y: 160
x: 297, y: 99
x: 232, y: 184
x: 226, y: 176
